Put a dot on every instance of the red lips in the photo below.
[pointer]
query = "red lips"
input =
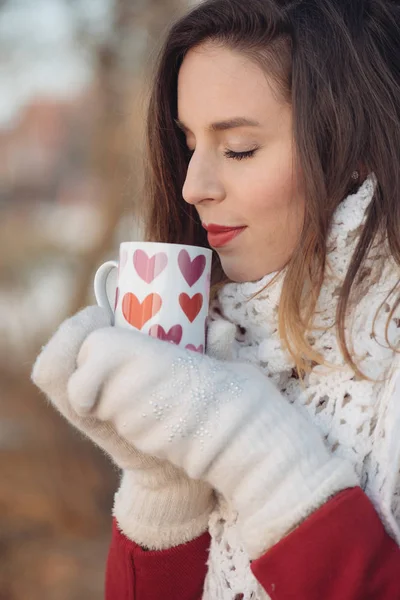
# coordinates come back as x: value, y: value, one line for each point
x: 211, y: 228
x: 220, y: 235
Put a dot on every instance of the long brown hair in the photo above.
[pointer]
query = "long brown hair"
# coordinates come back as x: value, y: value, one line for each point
x: 338, y: 63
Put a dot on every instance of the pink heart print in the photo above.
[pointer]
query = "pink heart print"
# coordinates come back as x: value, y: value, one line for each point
x: 149, y: 268
x: 174, y: 335
x: 199, y: 349
x: 192, y: 270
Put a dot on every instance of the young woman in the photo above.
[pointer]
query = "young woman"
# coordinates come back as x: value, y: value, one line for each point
x: 270, y: 466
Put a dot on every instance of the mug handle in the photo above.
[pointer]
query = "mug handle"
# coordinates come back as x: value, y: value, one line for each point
x: 100, y: 285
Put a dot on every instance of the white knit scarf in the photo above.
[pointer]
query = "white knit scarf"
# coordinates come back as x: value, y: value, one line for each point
x: 360, y: 420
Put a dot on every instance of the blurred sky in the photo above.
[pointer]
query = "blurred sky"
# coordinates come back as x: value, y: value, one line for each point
x: 41, y: 52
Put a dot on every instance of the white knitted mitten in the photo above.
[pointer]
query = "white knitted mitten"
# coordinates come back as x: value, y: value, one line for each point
x: 223, y: 422
x: 157, y: 505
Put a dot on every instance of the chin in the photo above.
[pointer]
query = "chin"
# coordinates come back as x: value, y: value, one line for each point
x: 243, y: 273
x: 238, y: 273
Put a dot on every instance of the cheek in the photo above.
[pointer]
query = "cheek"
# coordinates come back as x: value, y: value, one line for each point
x: 271, y: 198
x: 269, y: 184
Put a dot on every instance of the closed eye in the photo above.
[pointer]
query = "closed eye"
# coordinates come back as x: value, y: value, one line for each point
x: 239, y: 155
x: 231, y: 154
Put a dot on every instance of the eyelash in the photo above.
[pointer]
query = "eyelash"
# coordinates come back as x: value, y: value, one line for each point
x: 231, y: 154
x: 239, y: 155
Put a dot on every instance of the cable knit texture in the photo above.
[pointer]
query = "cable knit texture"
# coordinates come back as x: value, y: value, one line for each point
x: 359, y: 420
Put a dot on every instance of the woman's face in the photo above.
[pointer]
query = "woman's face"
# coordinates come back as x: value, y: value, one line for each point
x: 240, y: 175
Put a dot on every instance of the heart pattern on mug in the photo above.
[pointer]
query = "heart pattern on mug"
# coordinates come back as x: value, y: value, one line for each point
x: 138, y: 313
x: 149, y: 268
x: 199, y: 349
x: 174, y: 335
x: 192, y: 270
x: 191, y: 306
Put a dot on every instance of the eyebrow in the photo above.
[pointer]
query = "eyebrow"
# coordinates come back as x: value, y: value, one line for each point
x: 223, y: 125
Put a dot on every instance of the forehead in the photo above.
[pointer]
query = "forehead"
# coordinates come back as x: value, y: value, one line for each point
x: 214, y: 82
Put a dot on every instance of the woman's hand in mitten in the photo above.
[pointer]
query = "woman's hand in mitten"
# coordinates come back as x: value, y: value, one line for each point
x: 157, y: 505
x: 223, y: 422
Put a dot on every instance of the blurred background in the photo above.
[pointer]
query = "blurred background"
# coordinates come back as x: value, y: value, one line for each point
x: 74, y: 80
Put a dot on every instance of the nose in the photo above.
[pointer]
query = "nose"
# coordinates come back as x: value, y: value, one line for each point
x: 202, y: 183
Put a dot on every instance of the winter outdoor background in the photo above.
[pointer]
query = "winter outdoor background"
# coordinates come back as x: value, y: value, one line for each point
x: 74, y: 81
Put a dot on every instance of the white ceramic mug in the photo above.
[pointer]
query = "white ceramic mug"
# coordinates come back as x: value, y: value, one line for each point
x: 161, y: 289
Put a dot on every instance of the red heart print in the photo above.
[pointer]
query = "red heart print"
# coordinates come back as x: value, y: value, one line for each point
x: 192, y: 270
x: 191, y: 306
x: 174, y: 335
x: 138, y: 313
x: 149, y: 268
x: 200, y: 349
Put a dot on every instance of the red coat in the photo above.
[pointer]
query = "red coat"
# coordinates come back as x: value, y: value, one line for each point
x: 341, y: 552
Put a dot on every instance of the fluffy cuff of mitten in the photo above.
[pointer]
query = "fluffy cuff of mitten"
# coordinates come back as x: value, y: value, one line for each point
x: 286, y: 508
x: 159, y: 510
